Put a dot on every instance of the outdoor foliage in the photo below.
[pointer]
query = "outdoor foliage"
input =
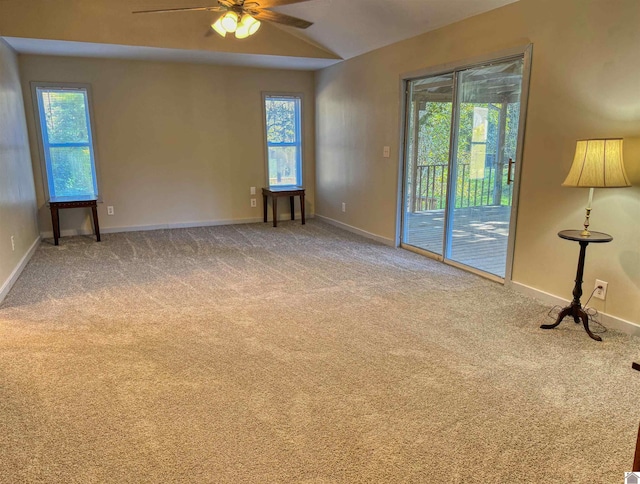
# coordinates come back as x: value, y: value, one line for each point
x: 67, y: 142
x: 65, y: 112
x: 281, y: 120
x: 72, y: 172
x: 283, y: 140
x: 434, y: 137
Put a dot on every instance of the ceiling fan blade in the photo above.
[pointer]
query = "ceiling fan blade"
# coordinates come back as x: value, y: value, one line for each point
x: 272, y: 3
x: 185, y: 9
x: 281, y: 18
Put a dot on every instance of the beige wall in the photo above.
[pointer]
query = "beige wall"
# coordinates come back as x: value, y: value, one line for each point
x: 176, y: 143
x: 584, y: 84
x: 17, y: 197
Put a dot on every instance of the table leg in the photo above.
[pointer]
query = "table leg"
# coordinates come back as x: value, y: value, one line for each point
x: 55, y: 224
x: 636, y: 459
x: 565, y: 312
x: 293, y: 208
x: 96, y: 226
x: 575, y: 309
x: 578, y: 315
x: 577, y: 290
x: 274, y: 203
x: 264, y: 207
x: 585, y: 322
x: 302, y: 207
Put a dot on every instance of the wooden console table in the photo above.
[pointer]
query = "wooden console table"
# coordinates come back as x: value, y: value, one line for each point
x: 275, y: 193
x: 57, y: 203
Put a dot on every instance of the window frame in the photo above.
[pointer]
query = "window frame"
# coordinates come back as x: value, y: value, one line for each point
x: 45, y: 162
x: 300, y: 127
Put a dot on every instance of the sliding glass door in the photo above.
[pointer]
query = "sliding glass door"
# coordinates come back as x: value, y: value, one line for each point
x: 461, y: 151
x: 427, y: 161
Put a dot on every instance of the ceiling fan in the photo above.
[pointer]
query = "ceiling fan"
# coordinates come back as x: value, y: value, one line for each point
x: 243, y: 17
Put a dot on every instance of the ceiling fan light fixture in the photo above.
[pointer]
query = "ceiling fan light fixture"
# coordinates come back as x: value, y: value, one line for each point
x: 250, y: 23
x: 218, y: 28
x: 230, y: 22
x: 242, y: 32
x: 247, y: 26
x: 253, y: 28
x: 240, y: 14
x: 247, y: 20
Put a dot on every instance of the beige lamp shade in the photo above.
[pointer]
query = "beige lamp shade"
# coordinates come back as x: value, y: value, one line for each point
x: 597, y: 164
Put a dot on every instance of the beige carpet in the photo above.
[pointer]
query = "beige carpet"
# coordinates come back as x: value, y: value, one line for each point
x: 297, y: 354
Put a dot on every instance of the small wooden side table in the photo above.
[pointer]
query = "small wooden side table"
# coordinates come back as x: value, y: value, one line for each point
x: 57, y: 203
x: 275, y: 193
x: 575, y: 308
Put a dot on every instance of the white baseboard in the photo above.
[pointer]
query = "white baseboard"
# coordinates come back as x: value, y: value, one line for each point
x: 355, y: 230
x: 140, y: 228
x: 8, y: 284
x: 180, y: 225
x: 611, y: 322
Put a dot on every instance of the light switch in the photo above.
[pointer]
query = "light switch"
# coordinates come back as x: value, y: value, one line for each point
x: 386, y: 152
x: 253, y: 190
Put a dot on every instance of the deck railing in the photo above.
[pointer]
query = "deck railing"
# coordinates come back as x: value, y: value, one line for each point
x: 431, y: 188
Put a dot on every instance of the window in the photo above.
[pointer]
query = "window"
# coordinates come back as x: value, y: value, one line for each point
x: 284, y: 144
x: 66, y: 140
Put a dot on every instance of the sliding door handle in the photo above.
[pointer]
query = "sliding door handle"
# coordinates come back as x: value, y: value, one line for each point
x: 510, y: 172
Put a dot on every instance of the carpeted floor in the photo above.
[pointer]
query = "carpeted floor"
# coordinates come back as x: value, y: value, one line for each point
x: 298, y: 354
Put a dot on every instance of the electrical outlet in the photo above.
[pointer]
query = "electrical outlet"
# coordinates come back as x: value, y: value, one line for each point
x: 386, y: 152
x: 344, y: 207
x: 13, y: 243
x: 252, y: 190
x: 253, y: 202
x: 601, y: 289
x: 109, y: 210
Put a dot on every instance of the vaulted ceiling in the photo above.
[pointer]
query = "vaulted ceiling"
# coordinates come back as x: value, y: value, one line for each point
x: 107, y: 28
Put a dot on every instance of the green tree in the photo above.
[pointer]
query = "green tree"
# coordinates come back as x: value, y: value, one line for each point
x: 432, y: 157
x: 66, y: 116
x: 283, y: 140
x: 69, y: 150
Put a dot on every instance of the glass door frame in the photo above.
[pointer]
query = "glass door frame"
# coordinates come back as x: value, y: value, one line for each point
x: 523, y: 52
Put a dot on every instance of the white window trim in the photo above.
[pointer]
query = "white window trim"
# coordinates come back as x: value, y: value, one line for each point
x: 43, y: 162
x: 292, y: 95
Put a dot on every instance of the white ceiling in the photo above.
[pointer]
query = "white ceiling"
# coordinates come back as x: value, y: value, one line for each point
x: 347, y: 28
x: 352, y: 27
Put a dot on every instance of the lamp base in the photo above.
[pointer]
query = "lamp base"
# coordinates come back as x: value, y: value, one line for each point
x: 585, y: 232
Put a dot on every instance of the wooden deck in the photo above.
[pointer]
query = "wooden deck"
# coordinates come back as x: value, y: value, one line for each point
x: 480, y: 235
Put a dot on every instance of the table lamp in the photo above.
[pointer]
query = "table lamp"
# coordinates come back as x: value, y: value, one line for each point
x: 597, y: 164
